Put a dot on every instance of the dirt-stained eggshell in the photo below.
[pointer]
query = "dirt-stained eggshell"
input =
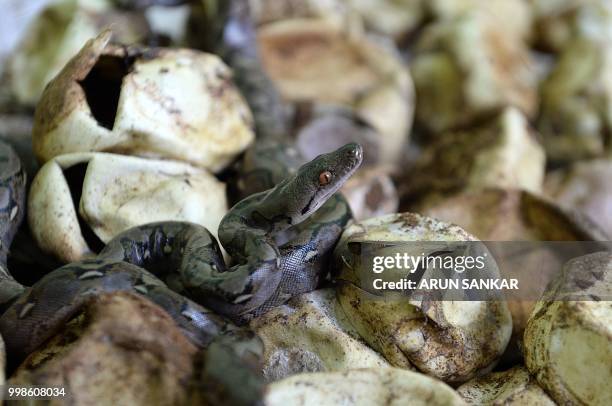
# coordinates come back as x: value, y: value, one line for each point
x: 58, y: 32
x: 466, y: 68
x: 586, y: 187
x: 513, y: 387
x: 568, y: 338
x: 351, y: 70
x: 120, y: 349
x: 361, y: 387
x: 155, y: 102
x: 311, y: 333
x: 450, y: 340
x: 503, y: 152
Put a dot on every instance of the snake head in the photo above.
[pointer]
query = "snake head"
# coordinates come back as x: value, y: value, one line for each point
x: 317, y: 180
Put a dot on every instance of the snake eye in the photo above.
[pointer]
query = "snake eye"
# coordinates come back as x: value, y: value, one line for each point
x: 324, y: 178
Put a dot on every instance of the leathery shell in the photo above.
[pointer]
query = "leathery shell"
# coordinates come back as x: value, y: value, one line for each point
x: 568, y: 343
x: 584, y: 186
x: 311, y: 334
x: 116, y: 343
x: 353, y: 71
x: 56, y: 34
x: 116, y: 192
x: 468, y: 66
x: 361, y: 387
x: 156, y: 102
x: 450, y: 340
x: 512, y: 387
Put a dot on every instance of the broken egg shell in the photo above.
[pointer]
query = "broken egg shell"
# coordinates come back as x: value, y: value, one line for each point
x: 573, y: 118
x: 568, y: 342
x: 351, y: 70
x: 464, y: 338
x: 494, y: 214
x: 513, y: 387
x: 467, y: 68
x: 57, y: 33
x: 493, y: 11
x: 116, y: 343
x: 502, y: 152
x: 556, y: 23
x: 371, y: 193
x: 117, y: 192
x: 585, y: 186
x: 515, y: 215
x: 335, y: 12
x: 162, y: 103
x: 361, y: 387
x: 394, y: 18
x: 310, y: 333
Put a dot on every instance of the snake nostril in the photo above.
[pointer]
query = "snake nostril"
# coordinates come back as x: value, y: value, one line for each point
x: 357, y: 153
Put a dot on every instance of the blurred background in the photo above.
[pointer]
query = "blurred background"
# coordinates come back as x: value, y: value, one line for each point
x: 467, y: 109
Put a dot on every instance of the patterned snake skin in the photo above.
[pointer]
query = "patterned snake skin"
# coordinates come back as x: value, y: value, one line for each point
x: 279, y: 235
x: 187, y: 257
x: 12, y: 210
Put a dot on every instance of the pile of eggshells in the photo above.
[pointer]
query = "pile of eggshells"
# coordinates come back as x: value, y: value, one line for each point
x: 480, y: 120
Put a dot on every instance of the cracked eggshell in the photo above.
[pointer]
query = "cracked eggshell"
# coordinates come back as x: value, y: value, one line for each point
x: 495, y: 214
x: 450, y: 340
x: 586, y: 187
x: 120, y: 348
x: 568, y: 342
x: 554, y: 21
x: 335, y: 12
x: 466, y: 68
x: 493, y: 11
x: 502, y: 153
x: 575, y: 114
x: 557, y: 22
x: 395, y: 18
x: 57, y: 33
x: 117, y: 192
x: 513, y: 387
x: 311, y: 334
x: 515, y: 215
x: 351, y: 70
x: 170, y: 103
x: 361, y: 387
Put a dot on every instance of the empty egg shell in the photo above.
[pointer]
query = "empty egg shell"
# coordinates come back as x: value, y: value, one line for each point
x: 450, y: 340
x: 568, y: 342
x: 361, y: 387
x: 76, y: 194
x: 310, y: 333
x: 163, y: 103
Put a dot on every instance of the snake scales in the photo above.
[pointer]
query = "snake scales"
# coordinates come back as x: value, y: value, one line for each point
x: 279, y: 235
x: 187, y: 257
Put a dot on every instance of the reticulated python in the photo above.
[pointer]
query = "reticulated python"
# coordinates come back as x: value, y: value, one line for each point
x: 279, y: 236
x: 279, y: 240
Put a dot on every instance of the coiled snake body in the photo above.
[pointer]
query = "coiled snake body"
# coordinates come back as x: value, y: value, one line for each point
x: 279, y: 236
x: 187, y: 257
x: 12, y: 203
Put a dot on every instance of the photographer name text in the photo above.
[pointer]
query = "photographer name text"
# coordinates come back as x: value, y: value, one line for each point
x: 456, y: 264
